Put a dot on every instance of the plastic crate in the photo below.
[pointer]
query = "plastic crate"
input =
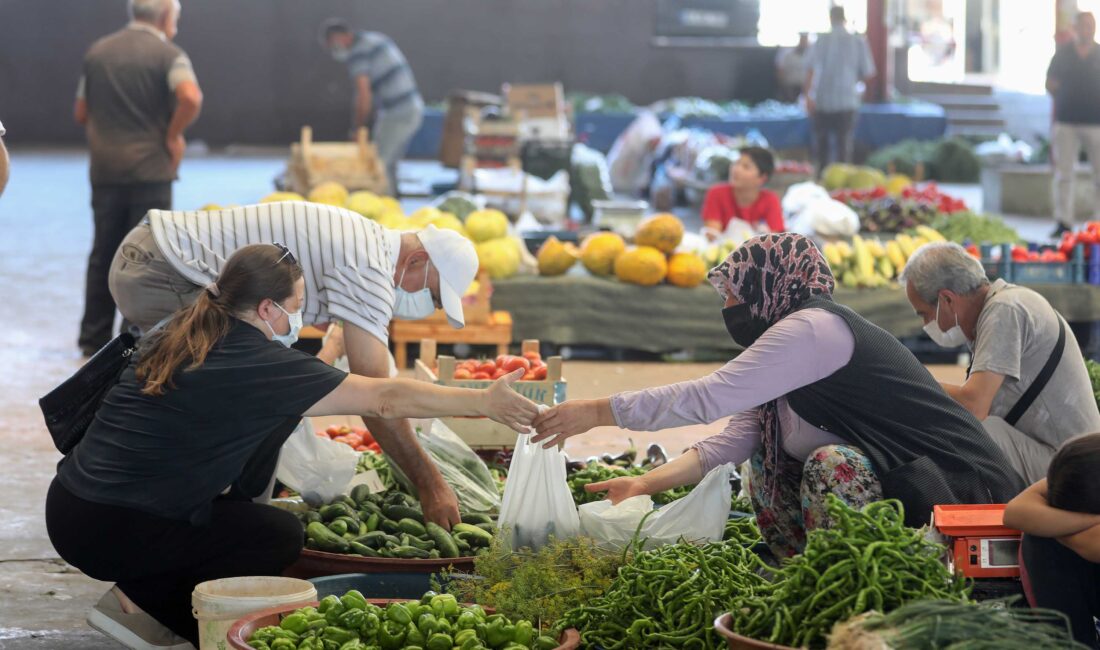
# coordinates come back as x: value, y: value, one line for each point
x: 1075, y: 271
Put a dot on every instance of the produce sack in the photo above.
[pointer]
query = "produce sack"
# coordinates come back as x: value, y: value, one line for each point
x: 537, y: 501
x: 460, y: 466
x: 317, y: 468
x: 698, y: 517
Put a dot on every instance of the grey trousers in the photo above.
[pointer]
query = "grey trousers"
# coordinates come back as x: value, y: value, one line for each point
x: 145, y: 286
x: 1029, y: 457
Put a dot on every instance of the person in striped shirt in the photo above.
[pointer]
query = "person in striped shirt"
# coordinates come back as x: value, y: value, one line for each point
x: 384, y: 84
x: 355, y: 271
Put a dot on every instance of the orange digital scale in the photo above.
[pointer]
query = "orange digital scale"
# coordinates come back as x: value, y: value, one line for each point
x: 980, y: 545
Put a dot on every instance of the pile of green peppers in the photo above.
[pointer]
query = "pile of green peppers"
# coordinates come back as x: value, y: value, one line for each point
x: 391, y: 526
x: 596, y: 472
x: 435, y: 622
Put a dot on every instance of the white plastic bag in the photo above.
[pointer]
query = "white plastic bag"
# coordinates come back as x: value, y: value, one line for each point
x: 460, y: 466
x: 800, y: 195
x: 830, y: 218
x: 537, y: 501
x: 317, y: 468
x: 698, y: 517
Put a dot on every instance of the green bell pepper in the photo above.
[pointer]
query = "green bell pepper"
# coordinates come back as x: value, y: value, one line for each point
x: 525, y: 634
x: 339, y: 635
x: 280, y: 633
x: 392, y: 635
x: 444, y: 605
x: 354, y: 600
x: 328, y: 603
x: 466, y: 620
x: 439, y: 642
x: 283, y: 644
x: 355, y: 644
x: 499, y: 632
x: 265, y: 634
x: 546, y: 642
x: 413, y: 636
x: 297, y: 623
x: 371, y: 624
x: 257, y: 644
x: 426, y: 599
x: 427, y: 624
x: 444, y: 626
x: 416, y: 609
x: 462, y: 636
x: 353, y: 619
x: 313, y: 643
x: 399, y: 614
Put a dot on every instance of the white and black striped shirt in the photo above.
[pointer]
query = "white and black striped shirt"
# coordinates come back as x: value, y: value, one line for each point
x: 348, y: 261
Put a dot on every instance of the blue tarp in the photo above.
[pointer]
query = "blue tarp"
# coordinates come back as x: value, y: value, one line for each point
x: 879, y: 125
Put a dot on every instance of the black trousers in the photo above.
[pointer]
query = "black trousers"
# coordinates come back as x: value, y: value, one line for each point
x: 828, y: 126
x: 157, y: 562
x: 1064, y: 581
x: 116, y: 209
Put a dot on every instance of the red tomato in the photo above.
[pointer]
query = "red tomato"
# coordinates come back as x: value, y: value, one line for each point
x: 361, y: 448
x: 1061, y: 257
x: 539, y: 373
x: 469, y: 364
x: 538, y: 363
x: 528, y: 376
x: 501, y: 359
x: 499, y: 372
x: 488, y: 367
x: 515, y: 363
x: 1088, y: 237
x: 463, y: 373
x: 1069, y: 240
x: 333, y: 431
x: 482, y: 375
x: 532, y: 356
x: 1033, y: 256
x: 1019, y: 254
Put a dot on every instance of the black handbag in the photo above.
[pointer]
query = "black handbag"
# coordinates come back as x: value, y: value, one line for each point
x: 70, y: 408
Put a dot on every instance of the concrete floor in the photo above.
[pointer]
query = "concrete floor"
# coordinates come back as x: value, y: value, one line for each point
x: 46, y: 233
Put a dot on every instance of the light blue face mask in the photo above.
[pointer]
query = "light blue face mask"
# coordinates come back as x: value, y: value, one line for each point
x: 413, y: 305
x: 340, y: 53
x: 295, y: 321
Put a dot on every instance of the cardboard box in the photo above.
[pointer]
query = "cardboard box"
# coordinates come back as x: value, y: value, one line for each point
x: 535, y: 101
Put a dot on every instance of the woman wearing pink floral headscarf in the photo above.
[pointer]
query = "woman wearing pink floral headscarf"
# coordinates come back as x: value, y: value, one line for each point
x: 820, y: 402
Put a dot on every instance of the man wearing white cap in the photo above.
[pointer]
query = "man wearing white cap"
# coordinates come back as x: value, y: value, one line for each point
x: 355, y: 271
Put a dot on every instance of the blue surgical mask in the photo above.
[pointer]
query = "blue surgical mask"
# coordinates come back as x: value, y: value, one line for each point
x: 413, y: 305
x: 295, y: 321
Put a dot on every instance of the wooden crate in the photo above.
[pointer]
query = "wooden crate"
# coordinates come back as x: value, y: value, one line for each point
x: 483, y: 433
x: 355, y: 165
x: 496, y: 331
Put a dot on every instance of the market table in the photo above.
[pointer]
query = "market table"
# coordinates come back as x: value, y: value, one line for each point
x: 579, y: 309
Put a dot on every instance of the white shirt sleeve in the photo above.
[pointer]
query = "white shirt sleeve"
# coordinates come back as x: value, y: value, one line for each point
x: 180, y: 72
x: 81, y: 87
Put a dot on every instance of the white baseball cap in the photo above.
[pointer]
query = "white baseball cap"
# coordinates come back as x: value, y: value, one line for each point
x: 456, y: 260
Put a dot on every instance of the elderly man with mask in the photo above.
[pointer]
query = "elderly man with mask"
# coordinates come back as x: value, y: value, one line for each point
x: 355, y: 271
x: 1027, y: 381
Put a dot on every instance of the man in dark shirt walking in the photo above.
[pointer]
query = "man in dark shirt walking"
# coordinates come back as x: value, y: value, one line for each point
x: 1073, y: 79
x: 136, y: 96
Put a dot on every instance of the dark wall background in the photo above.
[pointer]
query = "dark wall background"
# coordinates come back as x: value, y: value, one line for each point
x: 264, y: 74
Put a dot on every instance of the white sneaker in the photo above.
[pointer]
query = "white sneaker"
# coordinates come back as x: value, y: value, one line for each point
x: 137, y: 631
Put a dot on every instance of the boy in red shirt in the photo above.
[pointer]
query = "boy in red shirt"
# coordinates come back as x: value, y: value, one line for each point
x: 743, y: 197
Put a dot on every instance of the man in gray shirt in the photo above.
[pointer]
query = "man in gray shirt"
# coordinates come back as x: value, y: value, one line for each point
x: 136, y: 96
x: 840, y: 64
x: 1013, y: 333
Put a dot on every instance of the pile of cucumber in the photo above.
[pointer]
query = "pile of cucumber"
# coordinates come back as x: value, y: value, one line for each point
x: 391, y: 526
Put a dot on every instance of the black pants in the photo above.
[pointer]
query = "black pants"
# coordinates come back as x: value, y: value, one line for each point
x: 157, y: 562
x: 1064, y: 581
x: 117, y: 209
x: 839, y: 125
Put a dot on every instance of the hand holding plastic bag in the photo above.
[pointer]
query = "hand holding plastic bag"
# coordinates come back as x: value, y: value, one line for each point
x: 698, y: 517
x: 460, y: 466
x: 537, y: 501
x: 317, y: 468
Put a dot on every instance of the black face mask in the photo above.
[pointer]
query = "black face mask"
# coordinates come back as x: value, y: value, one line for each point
x: 744, y: 328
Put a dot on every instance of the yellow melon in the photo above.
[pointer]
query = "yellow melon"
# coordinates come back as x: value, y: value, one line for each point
x: 483, y: 225
x: 276, y: 197
x: 499, y: 258
x: 555, y: 258
x: 686, y: 270
x: 329, y: 193
x: 365, y: 203
x: 642, y: 265
x: 599, y: 250
x: 661, y: 231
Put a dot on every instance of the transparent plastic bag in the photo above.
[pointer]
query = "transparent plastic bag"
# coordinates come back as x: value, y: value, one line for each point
x: 317, y: 468
x: 460, y: 466
x: 698, y: 517
x: 537, y: 501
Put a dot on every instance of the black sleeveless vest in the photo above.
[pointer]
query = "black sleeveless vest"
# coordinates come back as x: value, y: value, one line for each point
x: 925, y: 447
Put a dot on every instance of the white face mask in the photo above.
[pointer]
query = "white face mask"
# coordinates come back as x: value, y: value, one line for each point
x: 340, y: 53
x: 295, y: 321
x: 952, y: 338
x: 416, y: 304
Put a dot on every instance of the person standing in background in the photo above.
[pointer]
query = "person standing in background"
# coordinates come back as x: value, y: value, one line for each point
x: 5, y: 163
x: 383, y: 83
x: 1073, y: 80
x: 136, y: 96
x: 840, y: 65
x: 791, y: 68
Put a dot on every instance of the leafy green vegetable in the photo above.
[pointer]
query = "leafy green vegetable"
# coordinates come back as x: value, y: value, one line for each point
x: 1094, y: 377
x: 963, y: 227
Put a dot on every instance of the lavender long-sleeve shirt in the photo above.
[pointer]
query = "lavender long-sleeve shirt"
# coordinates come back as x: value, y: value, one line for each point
x: 807, y: 346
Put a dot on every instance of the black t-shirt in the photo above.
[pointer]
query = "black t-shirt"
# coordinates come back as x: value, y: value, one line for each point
x: 1077, y: 100
x: 172, y: 455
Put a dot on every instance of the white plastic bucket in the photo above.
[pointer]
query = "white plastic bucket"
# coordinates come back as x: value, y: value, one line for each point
x: 217, y: 604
